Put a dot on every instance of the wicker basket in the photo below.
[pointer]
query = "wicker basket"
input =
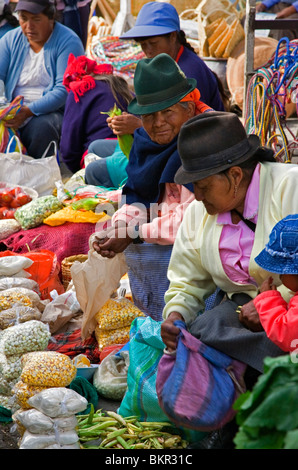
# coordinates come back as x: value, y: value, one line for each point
x: 66, y: 265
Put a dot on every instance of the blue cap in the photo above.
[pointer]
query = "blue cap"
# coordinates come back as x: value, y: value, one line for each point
x: 280, y: 255
x: 154, y: 19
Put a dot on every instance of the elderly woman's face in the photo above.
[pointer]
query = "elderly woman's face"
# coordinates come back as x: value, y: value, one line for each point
x: 216, y: 193
x: 36, y: 28
x: 163, y: 126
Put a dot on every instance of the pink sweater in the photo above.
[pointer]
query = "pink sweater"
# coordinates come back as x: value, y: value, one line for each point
x: 166, y: 216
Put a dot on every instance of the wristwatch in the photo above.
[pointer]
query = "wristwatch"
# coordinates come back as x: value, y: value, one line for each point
x: 137, y: 240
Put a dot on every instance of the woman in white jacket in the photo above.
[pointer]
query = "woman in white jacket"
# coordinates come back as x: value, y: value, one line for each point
x: 239, y: 198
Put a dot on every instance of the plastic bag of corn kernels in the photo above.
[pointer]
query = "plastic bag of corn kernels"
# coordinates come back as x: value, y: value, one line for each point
x: 109, y: 337
x: 23, y: 392
x: 47, y: 369
x: 117, y: 313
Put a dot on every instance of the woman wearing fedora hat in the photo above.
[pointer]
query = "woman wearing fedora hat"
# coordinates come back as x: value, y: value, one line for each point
x: 153, y: 204
x: 157, y: 29
x: 241, y: 192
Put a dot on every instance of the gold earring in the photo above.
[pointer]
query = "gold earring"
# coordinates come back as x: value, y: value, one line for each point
x: 235, y: 190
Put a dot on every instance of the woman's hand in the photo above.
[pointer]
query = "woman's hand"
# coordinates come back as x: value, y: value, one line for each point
x: 112, y: 241
x: 260, y: 7
x: 286, y: 12
x: 169, y: 331
x: 124, y: 123
x: 267, y: 285
x: 21, y: 116
x: 249, y: 317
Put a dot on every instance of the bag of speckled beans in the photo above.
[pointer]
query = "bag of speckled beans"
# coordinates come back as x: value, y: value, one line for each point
x: 114, y: 320
x: 47, y: 369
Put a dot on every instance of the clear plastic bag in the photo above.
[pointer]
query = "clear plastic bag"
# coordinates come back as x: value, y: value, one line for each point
x: 25, y: 337
x: 117, y: 313
x: 58, y: 401
x: 15, y: 315
x: 38, y: 423
x: 47, y: 369
x: 110, y: 337
x: 110, y: 377
x: 42, y: 441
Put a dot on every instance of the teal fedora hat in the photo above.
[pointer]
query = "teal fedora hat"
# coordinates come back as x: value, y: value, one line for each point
x: 159, y: 83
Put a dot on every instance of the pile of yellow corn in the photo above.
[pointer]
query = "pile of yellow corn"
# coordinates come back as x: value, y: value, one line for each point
x: 114, y: 320
x: 47, y: 369
x: 41, y: 370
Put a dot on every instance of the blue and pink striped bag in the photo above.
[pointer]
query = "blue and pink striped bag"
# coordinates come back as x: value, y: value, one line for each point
x: 197, y: 386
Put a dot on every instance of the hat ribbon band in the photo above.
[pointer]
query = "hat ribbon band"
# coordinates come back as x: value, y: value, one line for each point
x: 221, y: 158
x: 160, y: 96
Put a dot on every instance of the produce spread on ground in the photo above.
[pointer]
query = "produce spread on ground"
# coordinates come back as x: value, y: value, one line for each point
x: 62, y: 352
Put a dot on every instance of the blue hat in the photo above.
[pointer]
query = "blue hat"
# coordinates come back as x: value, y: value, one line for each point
x: 154, y: 19
x: 280, y: 255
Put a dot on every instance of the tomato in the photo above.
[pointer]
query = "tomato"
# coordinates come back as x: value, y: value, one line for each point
x: 10, y: 214
x: 15, y: 203
x: 22, y: 198
x: 6, y: 196
x: 15, y: 191
x: 3, y: 212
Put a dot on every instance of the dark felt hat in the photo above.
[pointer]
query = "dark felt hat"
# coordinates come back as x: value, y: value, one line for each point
x: 33, y: 6
x: 211, y: 143
x: 159, y: 83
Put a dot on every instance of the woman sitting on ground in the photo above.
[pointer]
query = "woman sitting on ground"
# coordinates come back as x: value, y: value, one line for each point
x: 153, y: 205
x: 93, y: 91
x: 33, y: 59
x: 157, y: 30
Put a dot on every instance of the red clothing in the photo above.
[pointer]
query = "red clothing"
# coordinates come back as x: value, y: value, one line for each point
x: 279, y: 319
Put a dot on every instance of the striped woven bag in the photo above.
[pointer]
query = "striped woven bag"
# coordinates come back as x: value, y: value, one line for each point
x: 197, y: 386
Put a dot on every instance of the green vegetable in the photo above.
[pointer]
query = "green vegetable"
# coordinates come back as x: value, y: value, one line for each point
x: 268, y: 415
x: 125, y: 141
x: 114, y: 431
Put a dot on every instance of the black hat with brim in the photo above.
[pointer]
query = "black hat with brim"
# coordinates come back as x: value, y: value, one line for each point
x: 212, y: 142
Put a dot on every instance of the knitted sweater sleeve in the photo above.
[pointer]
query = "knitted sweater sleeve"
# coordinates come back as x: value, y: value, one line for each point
x: 279, y: 320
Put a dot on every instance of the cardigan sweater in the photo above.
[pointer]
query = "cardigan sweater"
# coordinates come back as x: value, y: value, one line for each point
x: 14, y: 47
x: 195, y: 269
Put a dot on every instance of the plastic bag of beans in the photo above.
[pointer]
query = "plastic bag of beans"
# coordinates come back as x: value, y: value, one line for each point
x: 35, y: 212
x: 47, y: 369
x: 20, y: 314
x: 19, y: 339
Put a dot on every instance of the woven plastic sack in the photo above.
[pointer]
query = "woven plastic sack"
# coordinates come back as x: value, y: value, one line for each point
x: 145, y: 351
x: 197, y: 386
